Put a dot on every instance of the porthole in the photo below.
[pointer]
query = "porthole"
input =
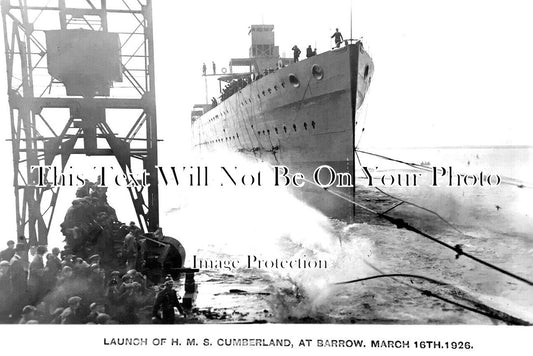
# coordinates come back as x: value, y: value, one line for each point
x: 313, y: 124
x: 317, y: 71
x: 305, y: 125
x: 367, y: 70
x: 294, y: 81
x: 294, y: 127
x: 285, y: 129
x: 276, y: 129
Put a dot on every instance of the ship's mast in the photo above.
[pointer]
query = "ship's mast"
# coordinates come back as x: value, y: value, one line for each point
x: 351, y: 19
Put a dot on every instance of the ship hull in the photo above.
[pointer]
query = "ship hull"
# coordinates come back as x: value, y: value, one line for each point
x: 302, y: 116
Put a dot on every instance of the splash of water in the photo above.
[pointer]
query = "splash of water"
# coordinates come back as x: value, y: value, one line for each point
x: 267, y: 221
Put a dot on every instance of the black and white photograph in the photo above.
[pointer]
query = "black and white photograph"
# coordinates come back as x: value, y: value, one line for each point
x: 267, y: 176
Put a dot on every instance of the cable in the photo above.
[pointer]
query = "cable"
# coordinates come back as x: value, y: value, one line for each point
x: 392, y: 275
x: 402, y: 224
x: 488, y: 312
x: 494, y: 314
x: 415, y: 165
x: 427, y: 169
x: 410, y: 203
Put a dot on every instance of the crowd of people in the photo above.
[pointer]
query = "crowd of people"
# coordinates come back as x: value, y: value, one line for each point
x: 67, y: 289
x: 234, y: 86
x: 95, y: 279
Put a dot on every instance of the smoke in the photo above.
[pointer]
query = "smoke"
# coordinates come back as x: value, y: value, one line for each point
x: 58, y: 296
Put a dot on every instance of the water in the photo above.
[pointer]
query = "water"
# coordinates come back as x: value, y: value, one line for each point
x: 229, y: 223
x: 495, y: 224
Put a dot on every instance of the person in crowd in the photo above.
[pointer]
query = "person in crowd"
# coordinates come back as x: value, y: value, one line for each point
x: 72, y: 314
x: 66, y: 274
x: 28, y: 314
x: 96, y: 282
x: 57, y: 260
x: 81, y: 268
x: 94, y: 259
x: 5, y: 292
x: 36, y: 277
x: 19, y: 277
x: 103, y: 319
x: 113, y: 299
x: 141, y: 279
x: 131, y: 248
x: 55, y: 317
x: 9, y: 252
x: 165, y: 301
x: 93, y: 314
x: 68, y: 259
x: 51, y: 272
x: 5, y: 283
x: 23, y: 253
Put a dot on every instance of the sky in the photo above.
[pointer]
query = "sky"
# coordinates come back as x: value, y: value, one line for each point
x: 447, y: 73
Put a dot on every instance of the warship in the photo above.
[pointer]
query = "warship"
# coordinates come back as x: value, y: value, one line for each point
x: 300, y: 114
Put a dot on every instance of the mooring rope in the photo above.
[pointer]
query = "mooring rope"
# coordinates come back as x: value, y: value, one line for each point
x: 409, y: 203
x: 402, y: 224
x: 427, y: 169
x: 488, y: 312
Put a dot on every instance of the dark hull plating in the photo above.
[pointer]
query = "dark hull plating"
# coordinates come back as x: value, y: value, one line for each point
x: 298, y: 118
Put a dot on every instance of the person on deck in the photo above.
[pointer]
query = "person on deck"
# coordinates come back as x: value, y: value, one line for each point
x: 338, y: 38
x: 296, y: 53
x: 309, y: 52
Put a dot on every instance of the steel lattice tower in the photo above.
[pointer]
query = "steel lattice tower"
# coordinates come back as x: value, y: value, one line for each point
x: 58, y: 110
